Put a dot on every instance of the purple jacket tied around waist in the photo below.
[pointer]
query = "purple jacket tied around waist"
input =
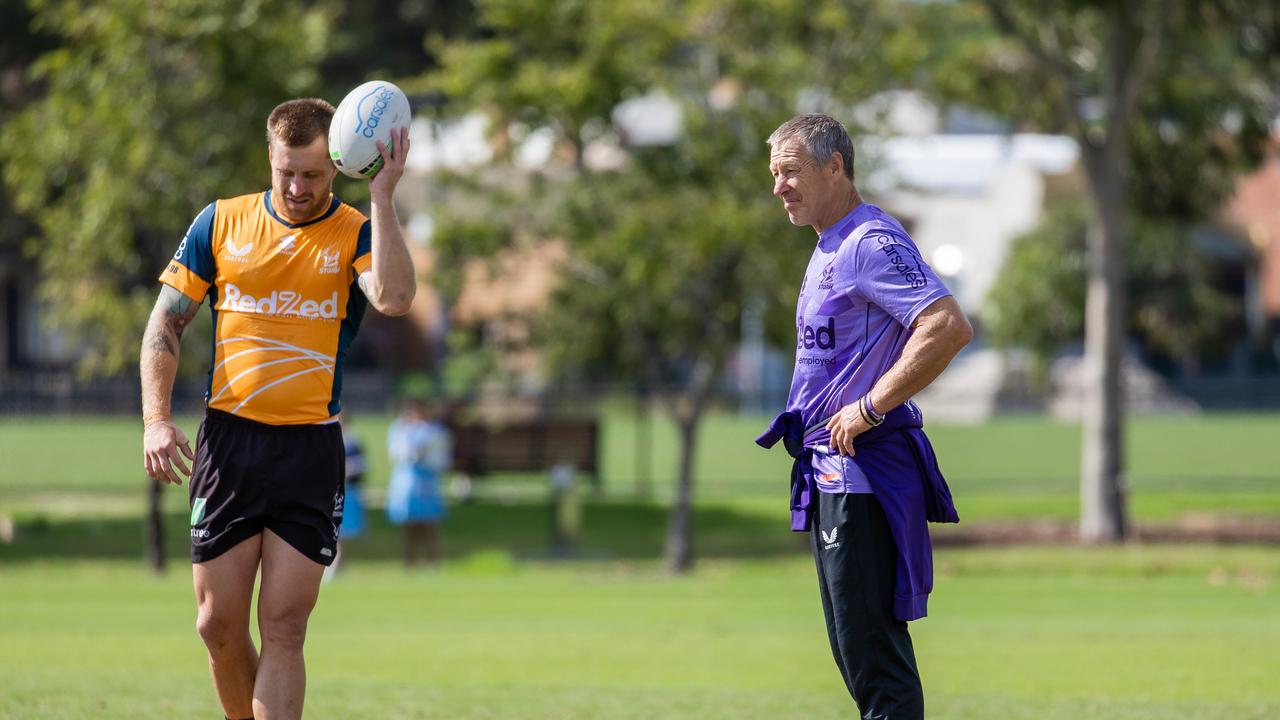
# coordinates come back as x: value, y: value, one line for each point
x: 899, y: 462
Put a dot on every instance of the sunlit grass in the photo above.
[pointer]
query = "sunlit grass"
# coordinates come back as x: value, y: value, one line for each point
x: 1113, y: 634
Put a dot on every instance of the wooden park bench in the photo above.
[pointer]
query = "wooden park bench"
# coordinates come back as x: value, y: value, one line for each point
x: 536, y: 445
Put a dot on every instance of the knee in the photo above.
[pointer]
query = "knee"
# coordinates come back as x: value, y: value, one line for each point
x: 286, y: 629
x: 218, y: 631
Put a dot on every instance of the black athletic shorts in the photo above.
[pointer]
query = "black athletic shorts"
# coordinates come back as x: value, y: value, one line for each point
x: 249, y: 476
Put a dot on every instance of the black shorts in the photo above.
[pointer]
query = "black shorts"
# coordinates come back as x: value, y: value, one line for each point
x: 249, y: 477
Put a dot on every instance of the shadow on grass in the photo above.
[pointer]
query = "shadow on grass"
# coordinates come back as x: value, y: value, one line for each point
x: 630, y: 530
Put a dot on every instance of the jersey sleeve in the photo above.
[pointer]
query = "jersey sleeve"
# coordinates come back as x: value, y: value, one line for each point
x: 363, y: 259
x: 890, y: 273
x: 191, y: 271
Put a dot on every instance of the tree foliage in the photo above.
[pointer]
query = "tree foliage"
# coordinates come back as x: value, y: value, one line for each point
x: 1037, y: 302
x: 1134, y: 81
x: 151, y: 111
x: 1202, y: 118
x: 20, y: 45
x: 675, y: 217
x: 562, y: 65
x: 668, y: 246
x: 385, y: 39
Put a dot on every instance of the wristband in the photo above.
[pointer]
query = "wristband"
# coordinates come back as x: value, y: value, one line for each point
x: 869, y: 413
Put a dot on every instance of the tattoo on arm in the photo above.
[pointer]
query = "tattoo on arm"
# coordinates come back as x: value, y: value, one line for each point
x: 176, y: 312
x: 162, y: 343
x: 177, y: 303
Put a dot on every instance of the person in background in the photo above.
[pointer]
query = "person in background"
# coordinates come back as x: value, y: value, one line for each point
x: 418, y: 445
x: 353, y: 510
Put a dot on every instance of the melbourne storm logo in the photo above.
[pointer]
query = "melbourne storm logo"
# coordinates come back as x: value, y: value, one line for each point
x: 825, y: 281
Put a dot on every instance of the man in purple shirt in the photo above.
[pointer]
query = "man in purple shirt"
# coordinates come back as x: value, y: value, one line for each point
x: 874, y: 326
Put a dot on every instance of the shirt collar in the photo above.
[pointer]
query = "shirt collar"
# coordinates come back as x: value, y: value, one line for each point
x: 334, y: 202
x: 840, y: 229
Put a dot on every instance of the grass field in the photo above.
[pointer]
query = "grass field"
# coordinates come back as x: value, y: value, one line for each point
x: 1018, y: 467
x: 1041, y: 633
x: 1114, y: 634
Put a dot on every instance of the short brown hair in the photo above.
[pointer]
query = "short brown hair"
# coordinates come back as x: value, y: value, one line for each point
x: 297, y: 123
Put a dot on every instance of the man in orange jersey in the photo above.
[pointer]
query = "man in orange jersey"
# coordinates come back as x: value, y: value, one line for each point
x: 288, y: 273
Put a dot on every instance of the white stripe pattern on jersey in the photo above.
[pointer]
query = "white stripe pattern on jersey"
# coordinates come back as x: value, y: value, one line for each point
x: 299, y: 354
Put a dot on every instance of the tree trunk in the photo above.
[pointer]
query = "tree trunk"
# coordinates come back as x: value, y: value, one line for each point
x: 644, y: 444
x: 155, y: 527
x: 1134, y: 35
x: 1132, y: 47
x: 1102, y: 502
x: 680, y: 529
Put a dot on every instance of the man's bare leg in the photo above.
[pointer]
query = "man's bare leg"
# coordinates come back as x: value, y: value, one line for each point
x: 290, y: 585
x: 224, y: 594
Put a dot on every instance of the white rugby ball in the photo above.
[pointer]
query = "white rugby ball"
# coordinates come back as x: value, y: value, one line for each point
x: 367, y: 114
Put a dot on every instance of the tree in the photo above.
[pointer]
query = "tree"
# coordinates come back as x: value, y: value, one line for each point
x: 656, y: 291
x: 20, y: 45
x: 1124, y: 39
x: 666, y: 247
x: 150, y: 112
x: 1037, y: 301
x: 562, y: 65
x: 536, y: 67
x: 1092, y: 69
x: 384, y: 39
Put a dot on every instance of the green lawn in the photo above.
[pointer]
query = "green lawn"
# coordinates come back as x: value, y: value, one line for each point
x: 1013, y: 467
x: 1107, y: 634
x: 1042, y: 633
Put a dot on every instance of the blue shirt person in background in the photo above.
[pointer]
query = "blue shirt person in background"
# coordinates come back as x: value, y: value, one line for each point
x: 874, y: 326
x: 353, y: 520
x: 419, y: 447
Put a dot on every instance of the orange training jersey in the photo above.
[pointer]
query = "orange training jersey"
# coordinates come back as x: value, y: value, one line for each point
x: 284, y: 301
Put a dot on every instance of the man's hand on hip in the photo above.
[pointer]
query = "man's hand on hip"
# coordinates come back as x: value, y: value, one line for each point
x: 845, y: 426
x: 161, y: 441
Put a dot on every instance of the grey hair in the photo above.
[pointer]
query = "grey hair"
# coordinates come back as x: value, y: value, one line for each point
x: 822, y: 135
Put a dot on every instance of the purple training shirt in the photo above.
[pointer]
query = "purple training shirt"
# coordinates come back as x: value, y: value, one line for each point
x: 865, y: 285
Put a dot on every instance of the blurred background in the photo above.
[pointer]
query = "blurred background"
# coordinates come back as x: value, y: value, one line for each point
x: 605, y: 321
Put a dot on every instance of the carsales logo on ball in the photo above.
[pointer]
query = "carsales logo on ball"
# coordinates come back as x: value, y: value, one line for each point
x: 366, y: 126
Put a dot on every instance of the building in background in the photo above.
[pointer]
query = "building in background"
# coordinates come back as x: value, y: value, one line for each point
x: 1254, y: 213
x: 964, y: 185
